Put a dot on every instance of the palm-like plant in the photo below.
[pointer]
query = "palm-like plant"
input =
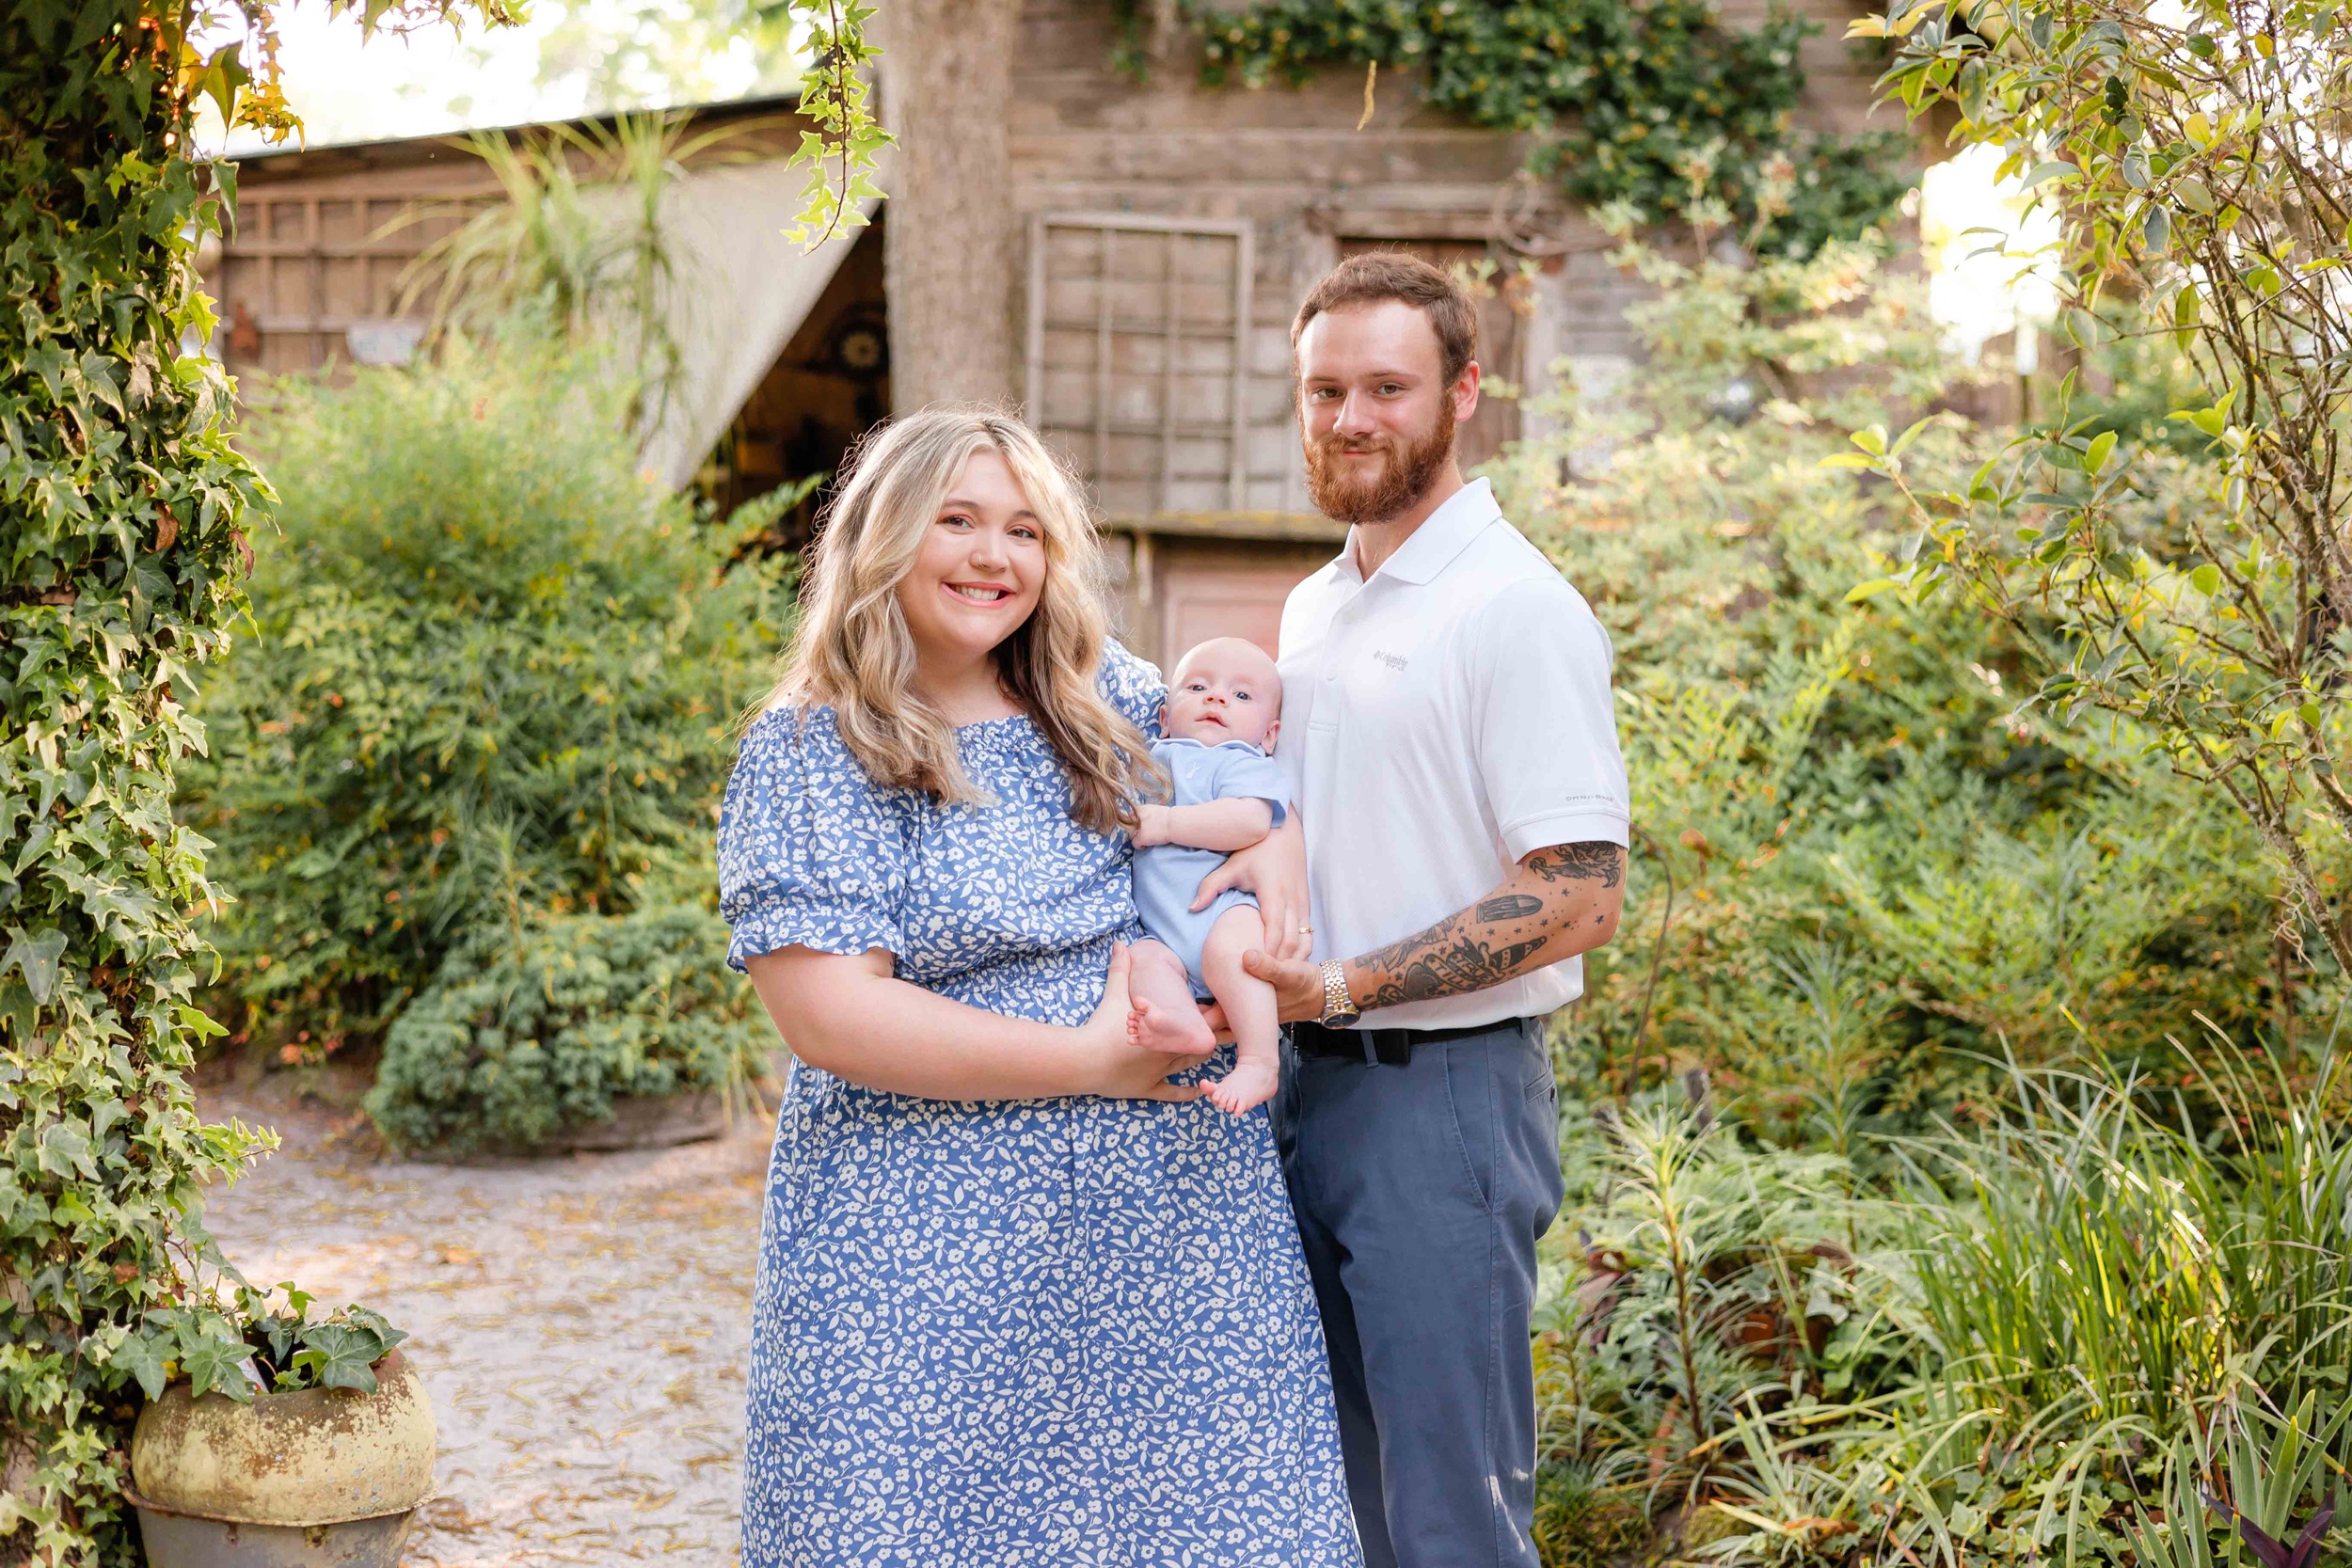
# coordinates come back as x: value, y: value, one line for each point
x: 578, y: 250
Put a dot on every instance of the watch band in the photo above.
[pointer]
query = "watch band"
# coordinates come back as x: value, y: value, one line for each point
x: 1338, y: 1007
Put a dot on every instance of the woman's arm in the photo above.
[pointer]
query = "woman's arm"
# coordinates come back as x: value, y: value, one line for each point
x: 847, y: 1016
x: 1224, y: 825
x: 1275, y: 869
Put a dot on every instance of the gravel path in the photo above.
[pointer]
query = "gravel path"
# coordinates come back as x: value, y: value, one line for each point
x: 580, y: 1321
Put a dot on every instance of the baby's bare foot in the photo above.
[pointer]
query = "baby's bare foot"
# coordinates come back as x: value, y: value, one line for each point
x: 1178, y: 1031
x: 1245, y: 1089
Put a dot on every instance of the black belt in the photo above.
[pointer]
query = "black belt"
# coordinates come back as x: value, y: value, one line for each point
x: 1384, y: 1047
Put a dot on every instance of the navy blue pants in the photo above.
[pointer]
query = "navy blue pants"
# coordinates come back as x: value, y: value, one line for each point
x: 1420, y: 1190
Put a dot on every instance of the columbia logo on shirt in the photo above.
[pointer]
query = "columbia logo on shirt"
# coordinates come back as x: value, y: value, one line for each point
x: 1394, y: 661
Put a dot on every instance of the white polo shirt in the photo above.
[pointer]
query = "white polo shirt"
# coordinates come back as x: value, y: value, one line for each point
x: 1439, y: 722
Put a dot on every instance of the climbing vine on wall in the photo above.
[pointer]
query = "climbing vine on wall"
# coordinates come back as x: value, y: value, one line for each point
x: 1652, y: 104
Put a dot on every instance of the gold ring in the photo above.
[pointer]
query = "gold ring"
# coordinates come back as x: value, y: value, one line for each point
x: 1306, y: 930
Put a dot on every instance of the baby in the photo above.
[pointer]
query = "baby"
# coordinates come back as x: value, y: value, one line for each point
x: 1224, y: 707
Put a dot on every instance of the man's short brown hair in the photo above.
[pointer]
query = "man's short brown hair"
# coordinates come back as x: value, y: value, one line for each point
x: 1378, y: 275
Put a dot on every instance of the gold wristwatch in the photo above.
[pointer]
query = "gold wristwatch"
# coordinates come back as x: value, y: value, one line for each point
x: 1339, y: 1008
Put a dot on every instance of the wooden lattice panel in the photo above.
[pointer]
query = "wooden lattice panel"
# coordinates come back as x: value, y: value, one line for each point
x: 1138, y: 354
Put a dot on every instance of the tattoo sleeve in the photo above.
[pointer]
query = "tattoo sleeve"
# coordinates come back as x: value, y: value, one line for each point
x: 1532, y: 918
x: 1579, y: 863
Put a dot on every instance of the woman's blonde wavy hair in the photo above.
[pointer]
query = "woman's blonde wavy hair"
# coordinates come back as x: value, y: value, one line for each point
x: 854, y: 652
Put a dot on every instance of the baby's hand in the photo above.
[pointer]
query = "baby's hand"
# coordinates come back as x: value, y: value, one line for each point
x: 1151, y: 826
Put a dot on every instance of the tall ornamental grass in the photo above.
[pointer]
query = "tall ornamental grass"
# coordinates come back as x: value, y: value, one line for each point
x: 2028, y: 1347
x: 2114, y: 1266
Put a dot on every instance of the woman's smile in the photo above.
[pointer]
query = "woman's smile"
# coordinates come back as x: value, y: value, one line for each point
x: 989, y: 594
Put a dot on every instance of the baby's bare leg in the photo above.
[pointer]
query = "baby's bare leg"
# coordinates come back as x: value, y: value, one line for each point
x: 1163, y: 1017
x: 1250, y: 1009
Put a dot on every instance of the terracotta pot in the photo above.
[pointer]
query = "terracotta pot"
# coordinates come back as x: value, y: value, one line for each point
x: 319, y: 1456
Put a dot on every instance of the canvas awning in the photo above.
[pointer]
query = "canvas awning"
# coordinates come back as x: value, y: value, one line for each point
x: 744, y: 290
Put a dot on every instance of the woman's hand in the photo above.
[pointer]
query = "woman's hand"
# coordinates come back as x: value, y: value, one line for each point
x: 1126, y: 1070
x: 1274, y: 868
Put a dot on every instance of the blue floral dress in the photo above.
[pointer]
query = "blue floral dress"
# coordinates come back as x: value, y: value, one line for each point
x: 1061, y: 1333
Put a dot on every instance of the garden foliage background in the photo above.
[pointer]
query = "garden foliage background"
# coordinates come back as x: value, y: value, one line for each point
x: 1958, y: 1160
x: 1951, y: 1133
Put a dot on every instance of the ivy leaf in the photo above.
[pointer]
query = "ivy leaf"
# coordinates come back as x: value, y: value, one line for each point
x: 35, y: 956
x: 215, y: 1363
x: 335, y: 1356
x: 143, y: 1355
x: 65, y: 1152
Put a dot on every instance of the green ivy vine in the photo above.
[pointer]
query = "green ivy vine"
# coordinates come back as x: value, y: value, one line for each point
x: 122, y: 508
x: 1651, y: 105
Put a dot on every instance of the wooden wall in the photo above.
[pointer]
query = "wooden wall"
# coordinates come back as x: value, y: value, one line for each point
x: 1291, y: 163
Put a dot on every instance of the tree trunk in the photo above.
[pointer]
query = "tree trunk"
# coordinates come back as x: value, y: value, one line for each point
x: 949, y: 237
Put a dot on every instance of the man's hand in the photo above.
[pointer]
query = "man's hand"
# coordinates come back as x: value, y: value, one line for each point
x: 1298, y: 990
x: 1298, y: 984
x: 1275, y: 869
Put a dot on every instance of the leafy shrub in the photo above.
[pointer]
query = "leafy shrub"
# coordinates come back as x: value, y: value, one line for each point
x: 492, y: 677
x: 524, y: 1032
x: 1699, y: 1273
x: 1840, y: 792
x: 2043, y: 1331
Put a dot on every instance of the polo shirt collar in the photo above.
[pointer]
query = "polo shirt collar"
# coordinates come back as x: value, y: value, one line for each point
x: 1442, y: 535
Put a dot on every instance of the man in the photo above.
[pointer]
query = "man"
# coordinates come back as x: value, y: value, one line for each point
x: 1449, y: 740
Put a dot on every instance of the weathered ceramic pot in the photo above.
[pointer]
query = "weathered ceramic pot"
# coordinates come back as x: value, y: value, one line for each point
x: 319, y: 1456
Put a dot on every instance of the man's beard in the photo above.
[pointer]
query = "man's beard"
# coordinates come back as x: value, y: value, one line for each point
x: 1403, y: 480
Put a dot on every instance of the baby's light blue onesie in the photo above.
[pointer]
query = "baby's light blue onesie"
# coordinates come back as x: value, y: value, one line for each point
x: 1169, y: 876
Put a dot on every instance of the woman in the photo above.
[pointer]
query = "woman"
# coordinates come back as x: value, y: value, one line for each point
x: 1020, y: 1301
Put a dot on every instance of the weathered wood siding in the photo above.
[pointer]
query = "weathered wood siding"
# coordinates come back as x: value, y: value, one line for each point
x: 1291, y: 164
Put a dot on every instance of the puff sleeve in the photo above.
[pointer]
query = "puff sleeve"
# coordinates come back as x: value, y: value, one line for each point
x: 810, y: 852
x: 1133, y: 687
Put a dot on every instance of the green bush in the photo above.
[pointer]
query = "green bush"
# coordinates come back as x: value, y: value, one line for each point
x: 492, y: 679
x: 1963, y: 1260
x: 1832, y: 787
x: 525, y: 1032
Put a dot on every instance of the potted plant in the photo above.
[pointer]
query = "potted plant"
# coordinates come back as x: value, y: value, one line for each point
x: 273, y: 1437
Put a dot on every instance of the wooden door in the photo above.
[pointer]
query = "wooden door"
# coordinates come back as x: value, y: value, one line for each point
x: 1199, y: 603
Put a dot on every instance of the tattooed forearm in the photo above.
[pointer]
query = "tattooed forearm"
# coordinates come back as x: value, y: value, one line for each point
x: 1579, y: 863
x: 1457, y: 954
x: 1559, y: 902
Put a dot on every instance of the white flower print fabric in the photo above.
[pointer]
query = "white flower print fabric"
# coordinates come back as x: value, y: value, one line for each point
x: 1069, y: 1331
